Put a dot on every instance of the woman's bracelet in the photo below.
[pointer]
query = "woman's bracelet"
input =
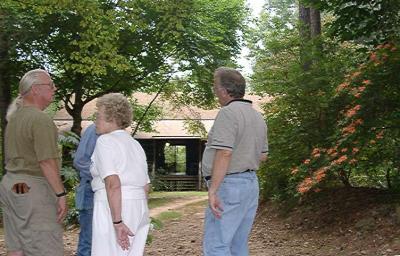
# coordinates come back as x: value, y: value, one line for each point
x: 117, y: 222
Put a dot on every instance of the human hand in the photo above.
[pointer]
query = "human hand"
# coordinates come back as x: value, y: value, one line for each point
x: 62, y: 208
x: 123, y: 233
x: 215, y: 205
x: 147, y: 190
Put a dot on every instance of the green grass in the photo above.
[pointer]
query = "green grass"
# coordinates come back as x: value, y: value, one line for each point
x: 169, y: 215
x: 157, y: 199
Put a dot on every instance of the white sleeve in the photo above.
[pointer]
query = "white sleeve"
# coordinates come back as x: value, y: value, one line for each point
x: 105, y: 157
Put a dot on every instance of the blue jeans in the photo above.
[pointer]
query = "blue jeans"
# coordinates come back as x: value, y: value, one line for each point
x: 229, y: 235
x: 84, y: 203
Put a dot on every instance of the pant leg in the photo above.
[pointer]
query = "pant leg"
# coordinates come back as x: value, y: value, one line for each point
x: 84, y: 203
x: 32, y: 217
x: 218, y: 233
x: 240, y: 240
x: 85, y: 234
x: 12, y: 242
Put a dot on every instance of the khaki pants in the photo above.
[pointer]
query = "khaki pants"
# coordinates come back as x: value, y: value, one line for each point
x: 30, y: 219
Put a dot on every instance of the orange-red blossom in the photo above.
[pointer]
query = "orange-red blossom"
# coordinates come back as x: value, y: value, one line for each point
x: 308, y: 182
x: 320, y: 174
x: 379, y: 135
x: 305, y: 185
x: 342, y: 86
x: 351, y: 112
x: 353, y: 161
x: 355, y: 74
x: 351, y: 128
x: 316, y: 153
x: 339, y: 160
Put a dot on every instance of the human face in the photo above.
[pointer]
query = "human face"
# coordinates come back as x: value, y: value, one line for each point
x: 45, y: 89
x: 220, y: 92
x: 102, y: 125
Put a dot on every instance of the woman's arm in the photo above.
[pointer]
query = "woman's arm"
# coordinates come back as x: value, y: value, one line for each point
x: 113, y: 188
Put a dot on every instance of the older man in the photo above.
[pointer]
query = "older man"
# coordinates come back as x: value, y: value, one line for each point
x: 236, y: 145
x: 32, y: 194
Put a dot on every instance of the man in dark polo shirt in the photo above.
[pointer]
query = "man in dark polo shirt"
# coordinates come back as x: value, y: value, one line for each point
x: 236, y: 145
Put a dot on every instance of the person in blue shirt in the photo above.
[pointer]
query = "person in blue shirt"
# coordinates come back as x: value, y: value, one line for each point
x: 84, y: 192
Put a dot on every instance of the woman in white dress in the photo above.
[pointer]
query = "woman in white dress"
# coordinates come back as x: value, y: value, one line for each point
x: 120, y: 182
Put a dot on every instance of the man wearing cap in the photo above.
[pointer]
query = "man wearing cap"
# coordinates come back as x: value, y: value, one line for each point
x: 32, y: 194
x: 236, y: 145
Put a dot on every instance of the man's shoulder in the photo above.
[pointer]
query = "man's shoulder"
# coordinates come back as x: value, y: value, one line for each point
x: 35, y: 116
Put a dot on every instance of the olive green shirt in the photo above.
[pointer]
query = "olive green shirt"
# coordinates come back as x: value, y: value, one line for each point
x: 31, y: 136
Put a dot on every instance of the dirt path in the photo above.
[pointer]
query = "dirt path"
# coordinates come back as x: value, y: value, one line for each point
x: 272, y: 235
x: 184, y: 236
x: 176, y: 204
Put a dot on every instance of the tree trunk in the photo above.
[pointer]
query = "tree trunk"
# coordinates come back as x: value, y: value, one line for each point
x: 5, y: 92
x: 77, y: 120
x: 75, y: 108
x: 305, y: 22
x: 305, y: 35
x: 315, y: 23
x: 309, y: 28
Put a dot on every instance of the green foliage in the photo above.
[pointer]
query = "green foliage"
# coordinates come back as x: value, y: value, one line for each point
x: 302, y: 113
x: 68, y: 142
x: 146, y: 115
x: 155, y: 224
x: 195, y: 127
x: 373, y: 97
x: 365, y: 147
x: 368, y: 21
x: 175, y: 158
x: 333, y: 124
x: 97, y: 46
x: 73, y: 213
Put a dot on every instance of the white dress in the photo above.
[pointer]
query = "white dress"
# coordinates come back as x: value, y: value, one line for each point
x: 118, y: 153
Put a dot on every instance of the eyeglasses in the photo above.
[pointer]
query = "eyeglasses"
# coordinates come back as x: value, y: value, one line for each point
x: 51, y: 85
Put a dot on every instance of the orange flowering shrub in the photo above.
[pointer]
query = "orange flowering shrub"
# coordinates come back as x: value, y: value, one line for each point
x: 368, y: 128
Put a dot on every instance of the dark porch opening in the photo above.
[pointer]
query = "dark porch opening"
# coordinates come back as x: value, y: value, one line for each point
x: 174, y: 162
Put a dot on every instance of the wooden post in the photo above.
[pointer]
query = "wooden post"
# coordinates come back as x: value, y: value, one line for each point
x: 199, y: 169
x: 153, y: 167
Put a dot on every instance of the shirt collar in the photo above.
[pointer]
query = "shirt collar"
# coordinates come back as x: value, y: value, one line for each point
x: 241, y: 100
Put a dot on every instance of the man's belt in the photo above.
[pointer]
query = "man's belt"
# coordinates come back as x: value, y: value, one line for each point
x: 207, y: 178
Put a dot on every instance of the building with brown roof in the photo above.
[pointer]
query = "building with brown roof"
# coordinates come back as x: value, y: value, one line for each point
x: 173, y: 152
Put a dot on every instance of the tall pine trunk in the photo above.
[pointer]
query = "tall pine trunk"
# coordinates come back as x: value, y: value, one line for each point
x: 309, y: 29
x: 5, y: 91
x: 305, y: 35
